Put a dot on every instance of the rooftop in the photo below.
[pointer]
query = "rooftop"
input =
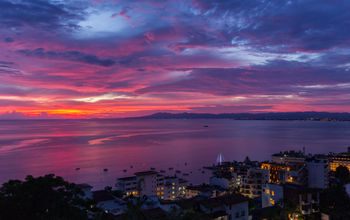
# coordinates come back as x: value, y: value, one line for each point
x: 148, y: 214
x: 146, y: 173
x: 227, y: 199
x: 128, y: 178
x: 291, y: 153
x: 102, y: 195
x: 300, y: 189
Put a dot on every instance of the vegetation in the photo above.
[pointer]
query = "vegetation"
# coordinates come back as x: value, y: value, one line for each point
x: 47, y: 197
x: 336, y: 202
x: 343, y: 174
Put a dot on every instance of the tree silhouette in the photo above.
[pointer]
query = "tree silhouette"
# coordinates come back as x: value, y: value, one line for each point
x: 342, y: 173
x: 46, y: 197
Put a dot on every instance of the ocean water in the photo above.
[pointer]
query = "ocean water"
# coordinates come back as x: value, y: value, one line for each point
x: 38, y: 147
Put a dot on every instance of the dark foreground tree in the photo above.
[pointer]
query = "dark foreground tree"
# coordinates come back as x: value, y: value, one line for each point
x: 47, y: 197
x: 343, y: 174
x: 336, y: 202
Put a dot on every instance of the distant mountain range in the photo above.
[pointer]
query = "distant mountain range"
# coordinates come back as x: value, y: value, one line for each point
x: 312, y: 116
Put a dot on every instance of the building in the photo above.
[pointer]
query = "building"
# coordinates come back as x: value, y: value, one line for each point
x: 307, y: 200
x: 228, y: 182
x: 152, y: 184
x: 147, y: 183
x: 234, y: 205
x: 341, y: 159
x: 254, y: 182
x: 107, y: 202
x: 147, y: 214
x: 227, y: 207
x: 128, y: 185
x: 204, y: 190
x: 289, y: 157
x: 174, y: 188
x: 280, y: 173
x: 318, y: 173
x: 272, y: 195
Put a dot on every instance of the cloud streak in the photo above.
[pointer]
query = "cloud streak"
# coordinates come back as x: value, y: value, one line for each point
x: 75, y: 56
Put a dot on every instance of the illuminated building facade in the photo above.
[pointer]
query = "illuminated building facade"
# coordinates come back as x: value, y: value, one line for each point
x: 272, y: 195
x: 152, y: 184
x: 174, y: 188
x: 286, y: 173
x: 342, y: 159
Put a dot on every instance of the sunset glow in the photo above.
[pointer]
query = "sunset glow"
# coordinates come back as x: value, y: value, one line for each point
x: 121, y: 58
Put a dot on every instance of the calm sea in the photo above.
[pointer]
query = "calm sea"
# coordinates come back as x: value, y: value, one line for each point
x: 39, y: 147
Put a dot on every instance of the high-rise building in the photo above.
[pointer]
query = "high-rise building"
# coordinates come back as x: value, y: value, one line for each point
x: 318, y: 173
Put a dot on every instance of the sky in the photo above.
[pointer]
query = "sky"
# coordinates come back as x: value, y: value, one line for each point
x: 122, y: 58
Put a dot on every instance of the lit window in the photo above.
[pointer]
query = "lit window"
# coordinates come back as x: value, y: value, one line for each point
x: 272, y: 193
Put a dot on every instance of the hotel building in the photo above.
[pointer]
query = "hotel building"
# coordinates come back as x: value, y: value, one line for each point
x: 152, y: 184
x: 286, y: 173
x: 341, y: 159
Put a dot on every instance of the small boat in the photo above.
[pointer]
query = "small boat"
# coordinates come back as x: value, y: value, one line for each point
x: 171, y: 168
x: 124, y: 171
x: 203, y: 171
x: 162, y: 171
x: 152, y: 168
x: 178, y: 171
x: 105, y: 170
x: 77, y: 168
x: 205, y: 126
x: 185, y: 174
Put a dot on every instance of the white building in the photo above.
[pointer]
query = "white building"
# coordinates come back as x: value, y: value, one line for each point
x: 318, y: 173
x: 128, y: 185
x: 228, y: 183
x: 147, y: 183
x: 174, y: 188
x: 152, y: 184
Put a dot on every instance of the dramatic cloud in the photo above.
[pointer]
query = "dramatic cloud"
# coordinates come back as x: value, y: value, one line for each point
x: 68, y: 55
x: 40, y: 13
x: 107, y: 58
